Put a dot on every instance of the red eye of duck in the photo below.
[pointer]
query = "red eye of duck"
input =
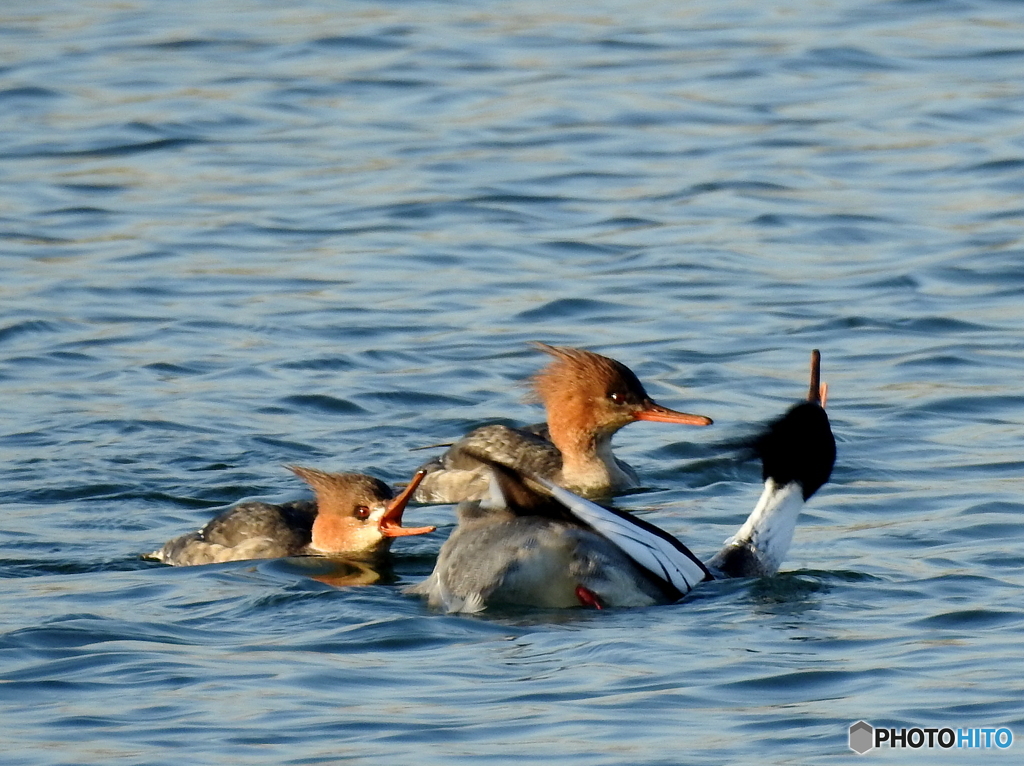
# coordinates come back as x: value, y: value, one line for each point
x: 362, y: 513
x: 617, y: 398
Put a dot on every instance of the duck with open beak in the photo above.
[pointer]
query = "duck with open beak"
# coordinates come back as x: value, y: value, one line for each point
x: 353, y: 515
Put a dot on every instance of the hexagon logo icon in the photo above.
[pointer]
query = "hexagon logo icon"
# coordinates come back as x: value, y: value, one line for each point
x: 862, y: 737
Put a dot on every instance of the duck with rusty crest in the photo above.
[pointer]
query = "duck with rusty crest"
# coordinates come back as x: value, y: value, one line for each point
x: 353, y: 515
x: 587, y: 398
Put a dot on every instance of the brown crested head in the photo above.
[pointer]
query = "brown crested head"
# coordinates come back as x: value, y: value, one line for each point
x: 602, y: 392
x: 356, y: 513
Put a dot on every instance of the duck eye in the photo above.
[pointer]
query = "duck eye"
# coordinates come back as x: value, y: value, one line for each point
x: 362, y: 513
x: 616, y: 397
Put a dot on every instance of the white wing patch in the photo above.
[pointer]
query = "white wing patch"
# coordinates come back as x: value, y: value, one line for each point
x: 652, y: 548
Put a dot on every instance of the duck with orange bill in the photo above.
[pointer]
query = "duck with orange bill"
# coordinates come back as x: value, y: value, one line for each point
x: 534, y: 543
x: 353, y: 515
x: 587, y: 398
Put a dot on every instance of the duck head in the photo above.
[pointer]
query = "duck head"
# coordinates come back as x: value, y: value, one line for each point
x: 584, y: 392
x: 356, y: 513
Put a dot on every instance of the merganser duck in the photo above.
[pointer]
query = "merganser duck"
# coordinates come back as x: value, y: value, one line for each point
x: 587, y: 397
x: 353, y: 515
x: 556, y: 549
x: 797, y: 454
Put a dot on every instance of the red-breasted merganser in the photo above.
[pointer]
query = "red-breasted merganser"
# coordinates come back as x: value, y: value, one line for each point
x: 353, y: 515
x: 797, y: 454
x: 556, y: 549
x: 587, y: 397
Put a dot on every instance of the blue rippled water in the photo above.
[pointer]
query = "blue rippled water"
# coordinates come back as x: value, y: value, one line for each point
x: 238, y: 235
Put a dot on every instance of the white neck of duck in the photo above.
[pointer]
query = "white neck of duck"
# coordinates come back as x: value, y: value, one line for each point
x: 760, y: 545
x: 593, y: 468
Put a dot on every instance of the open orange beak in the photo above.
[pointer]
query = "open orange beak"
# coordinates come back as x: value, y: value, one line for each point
x: 654, y: 411
x: 391, y: 521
